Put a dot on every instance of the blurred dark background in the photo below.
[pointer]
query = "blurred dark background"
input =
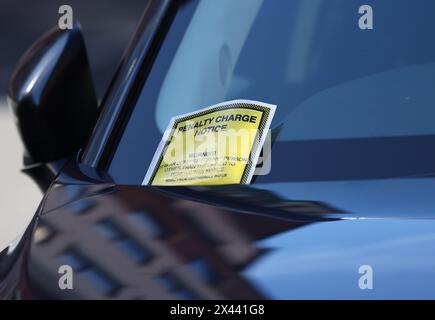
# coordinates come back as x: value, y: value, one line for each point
x: 108, y: 26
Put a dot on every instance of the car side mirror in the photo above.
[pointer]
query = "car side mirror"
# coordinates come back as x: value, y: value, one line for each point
x: 52, y: 96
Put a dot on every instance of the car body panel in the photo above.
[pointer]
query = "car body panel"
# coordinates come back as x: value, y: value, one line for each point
x: 139, y: 242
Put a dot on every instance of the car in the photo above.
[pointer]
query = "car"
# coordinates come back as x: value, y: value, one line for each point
x: 346, y: 212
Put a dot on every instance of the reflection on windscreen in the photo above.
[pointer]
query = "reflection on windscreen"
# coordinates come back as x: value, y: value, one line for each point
x: 352, y: 104
x: 329, y: 78
x: 211, y: 48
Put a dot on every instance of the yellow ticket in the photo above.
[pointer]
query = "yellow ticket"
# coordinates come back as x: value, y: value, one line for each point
x: 216, y: 145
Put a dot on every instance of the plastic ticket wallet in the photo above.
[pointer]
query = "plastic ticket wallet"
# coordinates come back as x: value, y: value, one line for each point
x: 216, y: 145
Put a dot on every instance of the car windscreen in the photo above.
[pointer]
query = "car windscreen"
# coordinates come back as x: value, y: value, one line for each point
x: 353, y: 102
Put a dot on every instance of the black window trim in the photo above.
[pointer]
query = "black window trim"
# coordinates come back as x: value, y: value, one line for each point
x: 122, y: 92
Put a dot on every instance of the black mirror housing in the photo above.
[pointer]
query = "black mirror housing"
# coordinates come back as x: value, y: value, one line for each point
x: 52, y: 96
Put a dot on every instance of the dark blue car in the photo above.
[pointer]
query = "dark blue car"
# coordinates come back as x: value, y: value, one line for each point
x: 346, y: 212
